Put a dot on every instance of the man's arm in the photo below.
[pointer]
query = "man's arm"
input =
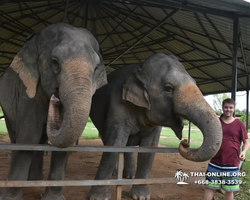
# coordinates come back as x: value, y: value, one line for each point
x: 244, y: 149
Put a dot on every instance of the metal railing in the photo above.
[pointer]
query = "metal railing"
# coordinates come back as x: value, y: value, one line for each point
x: 119, y: 182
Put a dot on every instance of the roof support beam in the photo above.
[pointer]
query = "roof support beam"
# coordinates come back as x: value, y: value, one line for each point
x: 198, y: 49
x: 247, y: 100
x: 4, y: 1
x: 8, y: 52
x: 66, y: 11
x: 205, y: 65
x: 206, y: 60
x: 42, y: 21
x: 124, y: 42
x: 214, y: 79
x: 183, y: 5
x: 9, y: 42
x: 129, y: 16
x: 113, y: 30
x: 193, y: 45
x: 185, y: 52
x: 243, y: 53
x: 31, y: 16
x: 23, y: 27
x: 183, y: 32
x: 7, y: 57
x: 12, y: 21
x: 247, y: 77
x: 42, y: 7
x: 69, y: 12
x: 86, y: 14
x: 230, y: 5
x: 190, y: 45
x: 147, y: 16
x: 52, y: 16
x: 77, y: 6
x: 148, y: 33
x: 200, y: 34
x: 146, y: 45
x: 235, y: 58
x: 206, y: 32
x: 13, y: 31
x: 218, y: 32
x: 222, y: 79
x: 153, y: 41
x: 4, y: 64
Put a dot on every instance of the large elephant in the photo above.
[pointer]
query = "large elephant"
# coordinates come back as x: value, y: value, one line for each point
x: 133, y: 106
x: 46, y: 93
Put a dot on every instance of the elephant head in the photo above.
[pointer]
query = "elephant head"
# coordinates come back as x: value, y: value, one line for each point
x: 167, y: 92
x: 66, y: 63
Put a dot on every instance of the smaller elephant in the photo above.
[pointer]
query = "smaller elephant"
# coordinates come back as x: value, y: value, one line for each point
x: 132, y: 108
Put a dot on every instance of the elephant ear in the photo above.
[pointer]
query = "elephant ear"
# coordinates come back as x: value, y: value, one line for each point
x: 134, y: 90
x: 25, y: 65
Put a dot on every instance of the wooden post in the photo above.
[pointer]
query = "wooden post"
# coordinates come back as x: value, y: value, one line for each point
x: 120, y: 172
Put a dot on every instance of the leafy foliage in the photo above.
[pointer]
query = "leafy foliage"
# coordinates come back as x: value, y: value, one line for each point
x: 243, y: 118
x: 1, y: 112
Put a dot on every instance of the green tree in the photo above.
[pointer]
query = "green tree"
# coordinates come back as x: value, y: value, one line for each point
x: 217, y: 102
x: 243, y: 118
x: 1, y: 112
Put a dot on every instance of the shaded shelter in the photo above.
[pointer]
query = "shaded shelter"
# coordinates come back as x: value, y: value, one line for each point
x: 210, y: 37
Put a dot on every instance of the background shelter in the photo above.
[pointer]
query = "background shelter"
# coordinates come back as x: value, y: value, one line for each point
x: 210, y: 37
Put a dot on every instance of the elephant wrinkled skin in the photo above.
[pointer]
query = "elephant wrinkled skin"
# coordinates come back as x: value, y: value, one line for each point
x: 46, y: 93
x: 133, y: 106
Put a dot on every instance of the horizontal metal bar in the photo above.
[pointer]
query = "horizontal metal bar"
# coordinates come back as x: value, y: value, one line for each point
x: 88, y: 148
x: 207, y: 60
x: 92, y: 182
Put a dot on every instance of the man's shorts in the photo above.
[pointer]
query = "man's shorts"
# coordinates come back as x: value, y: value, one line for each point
x: 222, y: 176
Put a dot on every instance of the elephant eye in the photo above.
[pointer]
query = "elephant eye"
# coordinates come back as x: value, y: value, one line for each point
x: 168, y: 88
x: 55, y: 66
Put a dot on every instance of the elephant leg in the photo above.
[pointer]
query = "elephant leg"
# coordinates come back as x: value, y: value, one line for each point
x: 57, y: 171
x: 10, y: 130
x: 129, y: 158
x: 36, y: 167
x: 20, y: 160
x: 105, y: 170
x: 19, y: 169
x: 129, y: 165
x: 116, y: 138
x: 144, y: 164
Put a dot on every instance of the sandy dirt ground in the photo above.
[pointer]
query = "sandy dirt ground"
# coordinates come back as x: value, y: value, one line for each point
x: 83, y: 166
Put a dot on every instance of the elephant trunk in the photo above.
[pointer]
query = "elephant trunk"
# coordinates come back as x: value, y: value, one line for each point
x: 191, y: 105
x: 68, y: 115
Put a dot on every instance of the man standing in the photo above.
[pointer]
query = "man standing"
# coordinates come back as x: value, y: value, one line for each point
x: 225, y: 164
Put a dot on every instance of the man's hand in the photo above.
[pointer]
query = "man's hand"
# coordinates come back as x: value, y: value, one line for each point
x: 242, y: 155
x: 245, y: 147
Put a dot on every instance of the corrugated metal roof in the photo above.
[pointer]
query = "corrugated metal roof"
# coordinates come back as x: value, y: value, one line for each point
x: 200, y: 33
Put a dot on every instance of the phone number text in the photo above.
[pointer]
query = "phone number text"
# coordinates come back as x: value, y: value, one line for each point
x: 219, y: 182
